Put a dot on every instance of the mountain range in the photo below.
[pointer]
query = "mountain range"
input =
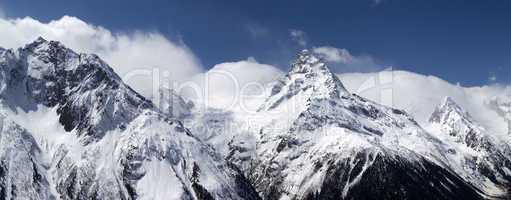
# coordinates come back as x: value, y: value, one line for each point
x: 72, y: 129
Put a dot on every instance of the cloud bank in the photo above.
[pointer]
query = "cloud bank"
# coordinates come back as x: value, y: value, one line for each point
x: 233, y: 85
x: 137, y: 56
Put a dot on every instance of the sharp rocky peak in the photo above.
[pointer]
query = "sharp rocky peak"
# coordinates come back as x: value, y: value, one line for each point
x: 57, y: 54
x: 38, y: 42
x: 307, y: 62
x: 42, y: 47
x: 308, y: 76
x: 447, y: 110
x: 312, y: 68
x: 46, y: 60
x: 453, y: 120
x: 90, y: 97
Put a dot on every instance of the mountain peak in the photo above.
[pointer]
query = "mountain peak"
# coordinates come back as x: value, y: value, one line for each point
x: 39, y: 41
x: 455, y: 126
x: 449, y: 109
x: 449, y: 101
x: 171, y: 103
x: 449, y: 118
x: 307, y: 62
x: 55, y: 54
x: 310, y: 77
x: 89, y: 96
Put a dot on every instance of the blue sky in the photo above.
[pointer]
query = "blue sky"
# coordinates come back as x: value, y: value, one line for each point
x: 460, y: 41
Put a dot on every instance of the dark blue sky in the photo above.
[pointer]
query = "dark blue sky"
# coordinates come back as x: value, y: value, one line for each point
x: 457, y: 40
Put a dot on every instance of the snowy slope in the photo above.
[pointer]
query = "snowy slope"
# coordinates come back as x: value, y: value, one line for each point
x: 22, y: 171
x: 102, y: 140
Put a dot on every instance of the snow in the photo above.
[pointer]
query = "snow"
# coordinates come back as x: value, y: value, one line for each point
x: 22, y: 168
x: 44, y: 125
x: 155, y: 186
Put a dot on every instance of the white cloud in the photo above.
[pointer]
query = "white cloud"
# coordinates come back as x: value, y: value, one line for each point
x: 299, y: 37
x: 135, y: 55
x: 420, y: 94
x: 233, y: 84
x: 332, y: 54
x: 341, y: 60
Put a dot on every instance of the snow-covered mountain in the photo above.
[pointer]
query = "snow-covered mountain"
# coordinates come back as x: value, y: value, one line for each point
x: 318, y: 141
x: 72, y: 129
x: 476, y: 155
x: 87, y: 135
